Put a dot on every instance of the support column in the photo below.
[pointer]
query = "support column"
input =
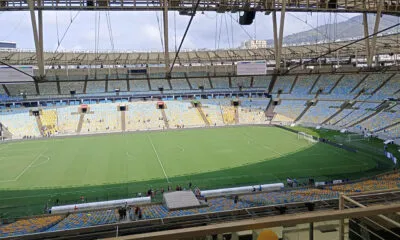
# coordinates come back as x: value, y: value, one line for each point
x: 278, y: 40
x: 311, y: 231
x: 166, y: 44
x: 366, y: 33
x: 281, y: 27
x: 39, y: 52
x: 40, y: 22
x: 341, y: 221
x: 376, y: 29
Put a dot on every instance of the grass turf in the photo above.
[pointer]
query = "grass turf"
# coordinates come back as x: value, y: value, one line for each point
x: 36, y: 173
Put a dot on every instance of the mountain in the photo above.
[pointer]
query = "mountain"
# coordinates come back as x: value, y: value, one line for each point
x: 346, y: 30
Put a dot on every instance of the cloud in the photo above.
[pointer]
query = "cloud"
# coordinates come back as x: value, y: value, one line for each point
x: 140, y: 30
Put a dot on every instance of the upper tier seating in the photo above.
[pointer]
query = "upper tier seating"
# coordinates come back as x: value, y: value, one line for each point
x: 261, y: 82
x: 372, y: 82
x: 344, y: 87
x: 303, y: 85
x: 117, y: 84
x: 96, y: 86
x: 326, y: 83
x: 180, y: 84
x: 382, y: 119
x: 241, y: 81
x: 67, y: 87
x: 139, y: 85
x: 283, y: 83
x: 48, y: 88
x: 197, y: 82
x: 220, y: 82
x: 157, y: 83
x: 17, y: 89
x: 360, y: 110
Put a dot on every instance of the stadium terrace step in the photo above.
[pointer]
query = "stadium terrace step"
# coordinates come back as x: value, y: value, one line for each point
x: 6, y: 90
x: 294, y: 83
x: 309, y: 104
x: 165, y: 118
x: 188, y: 82
x: 236, y: 115
x: 272, y: 83
x: 387, y: 127
x: 123, y: 121
x: 359, y: 83
x: 80, y: 123
x: 203, y: 116
x: 383, y: 84
x: 336, y: 83
x: 39, y: 124
x: 379, y: 110
x: 315, y: 83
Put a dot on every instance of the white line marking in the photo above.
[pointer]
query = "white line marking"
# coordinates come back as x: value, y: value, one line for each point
x: 155, y: 151
x: 129, y: 155
x: 29, y: 166
x: 48, y: 159
x: 182, y: 149
x: 264, y: 146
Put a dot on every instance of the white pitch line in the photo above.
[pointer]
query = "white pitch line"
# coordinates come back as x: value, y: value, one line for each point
x: 27, y: 167
x: 155, y: 151
x: 264, y: 146
x: 48, y: 159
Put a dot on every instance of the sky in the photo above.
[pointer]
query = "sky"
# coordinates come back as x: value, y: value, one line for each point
x: 142, y: 31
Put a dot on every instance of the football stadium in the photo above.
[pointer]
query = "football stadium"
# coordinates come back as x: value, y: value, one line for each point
x: 297, y: 137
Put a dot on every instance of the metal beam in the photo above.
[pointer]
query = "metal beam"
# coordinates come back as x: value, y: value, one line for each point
x: 36, y: 38
x: 376, y: 29
x: 276, y: 42
x: 166, y: 39
x: 281, y: 27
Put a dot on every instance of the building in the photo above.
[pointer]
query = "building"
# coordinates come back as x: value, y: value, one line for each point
x: 8, y: 45
x: 254, y: 44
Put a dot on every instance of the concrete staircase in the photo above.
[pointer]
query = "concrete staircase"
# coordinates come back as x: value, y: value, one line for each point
x: 165, y: 118
x: 236, y: 115
x: 123, y: 121
x: 39, y: 124
x: 309, y: 104
x: 203, y: 116
x: 80, y: 123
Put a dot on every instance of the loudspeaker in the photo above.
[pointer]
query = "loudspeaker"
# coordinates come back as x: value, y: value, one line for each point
x: 247, y: 18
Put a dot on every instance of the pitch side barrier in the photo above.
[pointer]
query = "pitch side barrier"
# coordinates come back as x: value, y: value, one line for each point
x: 322, y: 140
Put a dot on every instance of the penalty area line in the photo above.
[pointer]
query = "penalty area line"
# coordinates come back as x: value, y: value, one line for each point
x: 158, y: 158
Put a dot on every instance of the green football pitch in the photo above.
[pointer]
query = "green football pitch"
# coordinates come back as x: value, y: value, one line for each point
x: 114, y: 166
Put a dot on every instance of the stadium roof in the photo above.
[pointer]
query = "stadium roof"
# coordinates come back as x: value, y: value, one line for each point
x: 216, y: 5
x: 385, y: 45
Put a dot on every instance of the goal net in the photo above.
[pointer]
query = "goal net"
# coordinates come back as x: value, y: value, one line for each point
x: 305, y: 136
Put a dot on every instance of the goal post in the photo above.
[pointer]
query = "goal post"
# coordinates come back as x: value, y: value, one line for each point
x: 305, y: 136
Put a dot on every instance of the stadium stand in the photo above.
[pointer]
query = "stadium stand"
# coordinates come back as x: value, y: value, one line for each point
x: 143, y: 115
x: 326, y: 83
x: 85, y: 219
x: 288, y: 110
x: 49, y: 88
x: 213, y: 111
x: 345, y: 86
x: 183, y: 114
x: 261, y: 82
x: 101, y: 118
x: 67, y: 87
x: 220, y: 82
x: 317, y: 114
x: 95, y: 86
x: 253, y: 111
x: 159, y: 83
x: 20, y: 123
x: 117, y: 84
x: 31, y: 225
x: 244, y: 82
x: 67, y: 120
x: 49, y: 122
x: 180, y: 84
x: 303, y: 85
x: 139, y: 85
x: 17, y: 89
x: 284, y: 83
x: 197, y: 82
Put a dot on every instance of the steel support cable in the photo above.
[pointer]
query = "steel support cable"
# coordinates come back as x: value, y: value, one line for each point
x: 345, y: 46
x: 184, y: 36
